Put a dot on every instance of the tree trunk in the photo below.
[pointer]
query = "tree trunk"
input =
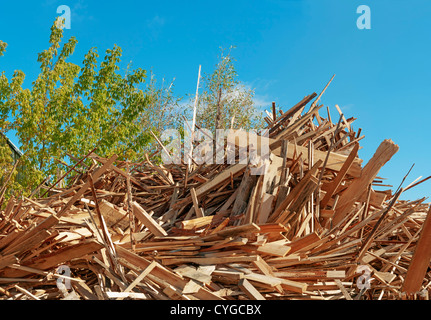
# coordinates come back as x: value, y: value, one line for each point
x: 218, y: 115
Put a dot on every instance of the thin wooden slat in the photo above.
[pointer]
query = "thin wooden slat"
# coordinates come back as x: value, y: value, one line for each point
x: 340, y: 176
x: 250, y: 290
x: 147, y: 220
x: 274, y: 249
x: 198, y: 211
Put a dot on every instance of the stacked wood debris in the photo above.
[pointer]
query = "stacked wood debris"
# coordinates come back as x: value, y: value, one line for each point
x: 312, y: 227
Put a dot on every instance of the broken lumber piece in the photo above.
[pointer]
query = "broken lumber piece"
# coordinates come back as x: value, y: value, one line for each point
x: 147, y: 220
x: 420, y: 261
x: 382, y: 155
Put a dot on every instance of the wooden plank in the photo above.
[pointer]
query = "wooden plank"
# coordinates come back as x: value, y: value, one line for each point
x: 198, y: 211
x: 289, y: 285
x: 340, y: 176
x: 7, y: 260
x: 63, y: 255
x: 382, y: 155
x: 5, y: 183
x: 303, y: 242
x: 26, y: 292
x: 123, y: 173
x: 272, y: 228
x: 76, y: 234
x: 193, y: 273
x: 205, y: 261
x: 7, y: 239
x: 269, y: 280
x: 343, y: 290
x: 84, y: 291
x: 250, y: 290
x: 233, y: 231
x: 294, y: 286
x: 228, y: 242
x: 221, y: 226
x: 265, y: 208
x: 313, y: 134
x: 274, y: 249
x: 326, y: 214
x: 267, y: 270
x: 139, y: 263
x: 220, y: 178
x: 192, y: 286
x: 198, y: 222
x: 376, y: 198
x: 420, y: 261
x: 342, y: 116
x: 253, y: 202
x: 230, y: 201
x: 244, y: 190
x: 235, y: 275
x: 147, y: 220
x: 272, y: 175
x: 8, y: 210
x: 113, y: 215
x: 311, y: 275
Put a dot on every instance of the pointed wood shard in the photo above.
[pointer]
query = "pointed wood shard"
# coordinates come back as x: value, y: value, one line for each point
x: 147, y: 220
x: 354, y: 192
x: 421, y: 260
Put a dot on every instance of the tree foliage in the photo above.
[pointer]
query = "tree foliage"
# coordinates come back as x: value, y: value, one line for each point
x: 9, y: 184
x: 225, y: 102
x: 163, y: 112
x: 70, y: 109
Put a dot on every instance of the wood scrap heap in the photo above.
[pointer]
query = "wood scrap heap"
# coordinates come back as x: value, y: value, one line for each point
x: 312, y: 227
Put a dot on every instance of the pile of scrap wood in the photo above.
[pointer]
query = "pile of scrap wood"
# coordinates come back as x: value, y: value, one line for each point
x: 312, y: 227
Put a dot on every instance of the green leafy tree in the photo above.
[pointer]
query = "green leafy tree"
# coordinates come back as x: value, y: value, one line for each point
x: 163, y: 112
x: 225, y: 102
x: 9, y: 185
x: 70, y: 109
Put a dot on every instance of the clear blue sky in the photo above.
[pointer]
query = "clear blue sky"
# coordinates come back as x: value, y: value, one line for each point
x: 285, y: 50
